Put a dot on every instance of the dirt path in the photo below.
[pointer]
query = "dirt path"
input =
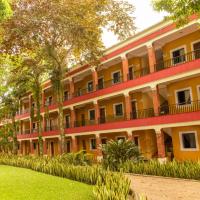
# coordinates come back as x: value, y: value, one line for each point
x: 156, y: 188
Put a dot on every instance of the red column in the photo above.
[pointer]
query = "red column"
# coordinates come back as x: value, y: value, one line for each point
x: 152, y: 58
x: 94, y: 79
x: 156, y: 100
x: 160, y: 144
x: 128, y: 107
x: 125, y: 68
x: 73, y: 118
x: 98, y: 144
x: 71, y: 87
x: 97, y: 114
x: 32, y: 147
x: 74, y: 144
x: 44, y: 147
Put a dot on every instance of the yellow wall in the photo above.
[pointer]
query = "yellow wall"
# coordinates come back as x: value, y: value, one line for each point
x: 186, y: 40
x: 147, y: 142
x: 192, y: 82
x: 184, y: 155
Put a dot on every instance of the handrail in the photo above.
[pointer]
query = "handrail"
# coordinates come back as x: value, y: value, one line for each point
x: 193, y: 55
x: 172, y: 109
x: 138, y: 73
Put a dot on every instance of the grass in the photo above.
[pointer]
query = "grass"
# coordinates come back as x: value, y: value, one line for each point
x: 24, y: 184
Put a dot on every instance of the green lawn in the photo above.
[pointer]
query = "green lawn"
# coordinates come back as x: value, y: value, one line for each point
x: 25, y: 184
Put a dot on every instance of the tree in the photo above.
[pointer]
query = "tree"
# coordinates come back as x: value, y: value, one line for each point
x: 117, y: 152
x: 9, y: 96
x: 69, y: 32
x: 31, y: 74
x: 5, y: 10
x: 180, y: 10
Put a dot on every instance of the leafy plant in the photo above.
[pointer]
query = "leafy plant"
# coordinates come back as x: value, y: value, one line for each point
x: 186, y: 170
x: 118, y: 152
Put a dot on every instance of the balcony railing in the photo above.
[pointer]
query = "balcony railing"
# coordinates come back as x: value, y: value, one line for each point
x: 110, y: 83
x: 194, y: 55
x: 179, y: 108
x: 24, y: 111
x: 138, y: 73
x: 51, y: 128
x: 83, y: 91
x: 84, y: 123
x: 145, y: 113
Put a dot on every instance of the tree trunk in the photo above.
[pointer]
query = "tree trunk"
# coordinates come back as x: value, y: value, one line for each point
x: 14, y: 135
x: 61, y: 121
x: 38, y: 106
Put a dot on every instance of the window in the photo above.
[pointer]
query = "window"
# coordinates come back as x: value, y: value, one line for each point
x: 34, y: 146
x: 66, y: 95
x: 93, y: 144
x: 188, y: 140
x: 196, y: 49
x: 198, y: 92
x: 49, y: 101
x: 118, y: 110
x: 91, y: 114
x: 104, y: 141
x: 183, y: 97
x: 100, y: 83
x: 178, y: 55
x: 136, y: 140
x: 116, y: 77
x: 121, y: 138
x: 130, y: 72
x: 90, y: 86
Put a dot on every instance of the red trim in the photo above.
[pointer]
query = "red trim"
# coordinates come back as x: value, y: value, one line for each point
x: 172, y: 71
x: 160, y: 120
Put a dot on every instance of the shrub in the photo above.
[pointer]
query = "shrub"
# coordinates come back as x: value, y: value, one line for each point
x: 186, y: 170
x: 118, y: 152
x: 79, y: 158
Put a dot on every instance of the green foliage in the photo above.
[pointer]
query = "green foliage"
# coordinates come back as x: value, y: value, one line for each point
x: 186, y: 170
x: 179, y: 10
x: 5, y: 10
x: 109, y: 184
x: 119, y: 151
x: 80, y: 158
x: 112, y: 187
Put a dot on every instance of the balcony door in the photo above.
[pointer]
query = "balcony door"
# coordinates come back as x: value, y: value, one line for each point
x: 102, y: 115
x: 196, y: 49
x: 67, y: 121
x: 178, y: 55
x: 82, y: 120
x: 134, y: 109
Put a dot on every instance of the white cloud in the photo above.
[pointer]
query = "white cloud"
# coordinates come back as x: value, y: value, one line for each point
x: 145, y: 17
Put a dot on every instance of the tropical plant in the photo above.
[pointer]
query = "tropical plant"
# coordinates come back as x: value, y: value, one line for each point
x: 5, y: 10
x: 68, y: 31
x: 179, y: 10
x: 119, y: 151
x: 186, y: 169
x: 31, y: 73
x: 79, y: 158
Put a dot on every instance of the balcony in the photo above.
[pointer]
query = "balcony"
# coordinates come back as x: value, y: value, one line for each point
x: 161, y: 65
x: 174, y: 109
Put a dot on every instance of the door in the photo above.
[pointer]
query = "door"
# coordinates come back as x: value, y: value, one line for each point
x: 67, y: 121
x: 196, y: 48
x: 52, y: 148
x: 102, y: 115
x: 100, y: 83
x: 130, y: 73
x: 84, y: 145
x: 68, y: 147
x: 82, y: 120
x: 134, y: 110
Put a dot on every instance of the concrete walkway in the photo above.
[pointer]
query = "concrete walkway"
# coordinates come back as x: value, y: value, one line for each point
x: 158, y: 188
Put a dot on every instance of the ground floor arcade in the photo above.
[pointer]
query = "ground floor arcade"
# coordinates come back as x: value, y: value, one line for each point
x: 181, y: 143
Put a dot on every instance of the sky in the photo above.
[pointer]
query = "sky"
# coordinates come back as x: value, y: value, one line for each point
x: 145, y: 17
